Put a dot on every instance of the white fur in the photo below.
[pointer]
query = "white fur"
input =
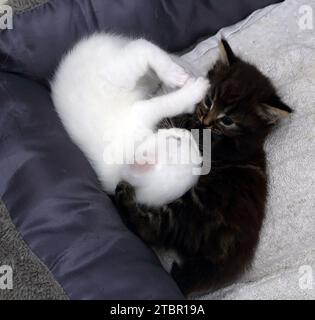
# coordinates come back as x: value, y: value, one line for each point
x: 103, y: 100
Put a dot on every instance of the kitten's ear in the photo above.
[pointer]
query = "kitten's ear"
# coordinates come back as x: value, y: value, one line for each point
x: 227, y: 55
x: 274, y: 110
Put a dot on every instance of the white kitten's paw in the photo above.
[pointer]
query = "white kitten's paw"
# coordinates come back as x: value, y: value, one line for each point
x: 195, y: 90
x: 173, y: 75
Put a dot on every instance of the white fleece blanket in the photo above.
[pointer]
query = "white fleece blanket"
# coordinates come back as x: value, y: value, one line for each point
x: 285, y: 260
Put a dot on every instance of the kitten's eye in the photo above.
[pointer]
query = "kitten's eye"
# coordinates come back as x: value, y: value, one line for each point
x: 227, y: 121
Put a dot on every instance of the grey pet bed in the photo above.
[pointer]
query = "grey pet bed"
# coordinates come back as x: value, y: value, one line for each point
x: 26, y: 55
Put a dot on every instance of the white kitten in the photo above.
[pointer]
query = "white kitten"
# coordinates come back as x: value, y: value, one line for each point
x: 102, y: 92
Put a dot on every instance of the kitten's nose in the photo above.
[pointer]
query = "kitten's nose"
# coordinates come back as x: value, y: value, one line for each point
x: 207, y: 121
x: 206, y: 116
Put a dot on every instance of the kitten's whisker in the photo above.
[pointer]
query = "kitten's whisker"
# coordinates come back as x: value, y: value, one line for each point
x: 171, y: 122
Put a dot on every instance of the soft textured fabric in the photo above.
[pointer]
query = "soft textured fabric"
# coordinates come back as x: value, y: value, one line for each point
x: 273, y: 40
x: 31, y: 279
x: 20, y: 6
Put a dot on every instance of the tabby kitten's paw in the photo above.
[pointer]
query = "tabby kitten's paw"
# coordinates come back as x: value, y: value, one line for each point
x: 124, y: 195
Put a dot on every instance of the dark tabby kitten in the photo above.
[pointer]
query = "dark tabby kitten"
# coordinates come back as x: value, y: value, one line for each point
x: 215, y: 226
